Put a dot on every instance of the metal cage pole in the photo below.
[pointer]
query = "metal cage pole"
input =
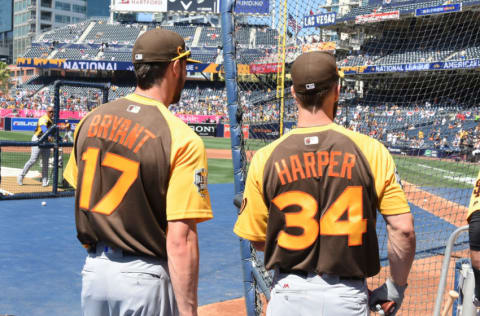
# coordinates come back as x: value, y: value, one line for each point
x: 235, y: 118
x: 445, y: 265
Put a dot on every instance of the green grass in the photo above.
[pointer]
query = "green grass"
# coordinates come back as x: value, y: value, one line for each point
x: 436, y: 173
x: 220, y: 171
x: 216, y: 142
x: 17, y: 136
x: 415, y: 170
x: 224, y: 143
x: 18, y: 160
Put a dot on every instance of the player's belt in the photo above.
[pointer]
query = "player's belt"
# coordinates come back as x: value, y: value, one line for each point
x: 104, y: 249
x: 305, y: 274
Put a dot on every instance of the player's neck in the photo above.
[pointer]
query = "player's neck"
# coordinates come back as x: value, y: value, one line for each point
x: 154, y: 93
x: 309, y: 119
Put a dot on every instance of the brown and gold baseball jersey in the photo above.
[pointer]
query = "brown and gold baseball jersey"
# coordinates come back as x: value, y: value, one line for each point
x: 43, y: 120
x: 312, y: 196
x: 136, y: 166
x: 475, y: 198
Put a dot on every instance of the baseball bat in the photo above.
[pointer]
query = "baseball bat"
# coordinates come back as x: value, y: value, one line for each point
x: 452, y: 296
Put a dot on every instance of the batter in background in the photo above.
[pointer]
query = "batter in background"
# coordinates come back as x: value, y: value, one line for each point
x: 43, y: 124
x: 310, y: 203
x: 141, y: 188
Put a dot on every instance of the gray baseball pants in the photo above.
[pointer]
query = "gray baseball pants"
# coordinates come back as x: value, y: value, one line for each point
x: 118, y: 284
x: 314, y: 295
x: 36, y: 152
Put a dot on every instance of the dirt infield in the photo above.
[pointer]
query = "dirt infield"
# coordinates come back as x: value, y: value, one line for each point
x: 225, y: 154
x: 449, y: 211
x: 234, y: 307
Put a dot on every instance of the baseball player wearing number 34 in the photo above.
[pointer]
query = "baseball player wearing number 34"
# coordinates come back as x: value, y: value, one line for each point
x: 310, y: 203
x: 141, y: 188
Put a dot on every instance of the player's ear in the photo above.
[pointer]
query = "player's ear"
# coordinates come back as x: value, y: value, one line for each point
x: 177, y: 67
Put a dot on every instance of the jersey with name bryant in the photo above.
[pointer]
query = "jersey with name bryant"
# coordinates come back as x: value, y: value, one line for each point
x: 312, y: 196
x: 139, y: 167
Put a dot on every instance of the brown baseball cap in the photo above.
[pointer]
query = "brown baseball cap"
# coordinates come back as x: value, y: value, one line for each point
x: 313, y: 72
x: 160, y: 45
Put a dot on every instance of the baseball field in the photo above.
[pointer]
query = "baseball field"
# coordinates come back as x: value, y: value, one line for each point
x: 42, y: 259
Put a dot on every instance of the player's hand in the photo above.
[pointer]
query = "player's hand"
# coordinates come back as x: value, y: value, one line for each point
x: 50, y: 139
x: 476, y: 301
x: 389, y: 291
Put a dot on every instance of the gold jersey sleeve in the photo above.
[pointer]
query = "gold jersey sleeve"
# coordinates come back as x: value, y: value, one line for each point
x: 71, y: 170
x: 187, y: 195
x: 391, y: 197
x: 42, y: 121
x: 475, y: 198
x: 253, y: 218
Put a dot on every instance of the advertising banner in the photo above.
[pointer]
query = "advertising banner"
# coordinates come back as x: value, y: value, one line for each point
x: 40, y: 62
x: 252, y: 6
x: 374, y: 3
x: 319, y: 19
x: 102, y: 65
x: 2, y: 123
x: 139, y: 6
x: 204, y: 129
x: 245, y: 131
x: 30, y: 124
x: 97, y: 65
x: 464, y: 64
x: 191, y: 118
x: 23, y: 124
x: 439, y: 9
x: 322, y: 47
x: 205, y: 6
x: 264, y: 68
x: 75, y: 115
x: 377, y: 17
x: 264, y: 131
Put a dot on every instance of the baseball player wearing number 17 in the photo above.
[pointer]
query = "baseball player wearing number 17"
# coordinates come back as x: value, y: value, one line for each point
x: 310, y: 203
x: 141, y: 188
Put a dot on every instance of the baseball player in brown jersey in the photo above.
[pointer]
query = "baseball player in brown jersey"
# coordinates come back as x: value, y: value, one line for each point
x: 310, y: 203
x: 141, y: 187
x: 473, y: 218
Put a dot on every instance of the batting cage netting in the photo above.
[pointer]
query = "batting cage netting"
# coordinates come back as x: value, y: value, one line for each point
x: 411, y: 80
x: 25, y: 162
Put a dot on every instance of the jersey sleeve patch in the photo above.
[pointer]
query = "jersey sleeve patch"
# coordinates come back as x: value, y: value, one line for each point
x: 201, y: 181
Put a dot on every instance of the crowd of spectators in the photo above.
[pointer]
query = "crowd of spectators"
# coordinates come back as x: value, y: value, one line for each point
x: 451, y: 128
x: 443, y: 128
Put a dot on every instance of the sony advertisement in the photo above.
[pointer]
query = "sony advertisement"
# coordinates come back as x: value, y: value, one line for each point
x: 204, y: 129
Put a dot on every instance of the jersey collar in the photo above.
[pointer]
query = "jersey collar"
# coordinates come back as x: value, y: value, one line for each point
x: 144, y: 100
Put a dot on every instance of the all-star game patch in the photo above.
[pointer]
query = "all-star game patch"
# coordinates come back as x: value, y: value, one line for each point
x: 200, y: 180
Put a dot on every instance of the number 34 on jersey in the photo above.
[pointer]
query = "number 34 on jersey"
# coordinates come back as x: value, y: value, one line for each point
x: 330, y: 224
